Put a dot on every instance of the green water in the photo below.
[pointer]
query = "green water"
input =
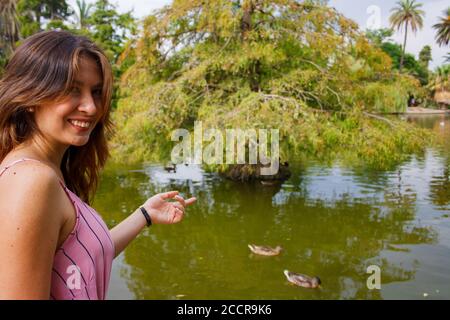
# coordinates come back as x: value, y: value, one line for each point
x: 332, y: 221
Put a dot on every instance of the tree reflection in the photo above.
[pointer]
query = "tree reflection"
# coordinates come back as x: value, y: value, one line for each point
x: 440, y: 184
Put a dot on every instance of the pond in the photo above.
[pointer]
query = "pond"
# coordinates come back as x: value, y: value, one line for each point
x: 332, y: 221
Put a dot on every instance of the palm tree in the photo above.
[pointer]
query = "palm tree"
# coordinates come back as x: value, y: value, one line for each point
x: 9, y: 26
x: 443, y: 29
x: 440, y: 80
x: 439, y: 85
x: 407, y: 13
x: 83, y: 13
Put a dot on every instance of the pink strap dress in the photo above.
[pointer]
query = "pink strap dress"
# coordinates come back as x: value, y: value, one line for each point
x: 82, y: 264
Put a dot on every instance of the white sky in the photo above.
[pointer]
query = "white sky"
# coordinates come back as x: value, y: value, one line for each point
x: 364, y: 12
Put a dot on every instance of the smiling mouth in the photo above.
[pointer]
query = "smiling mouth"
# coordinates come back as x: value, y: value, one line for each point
x: 80, y: 124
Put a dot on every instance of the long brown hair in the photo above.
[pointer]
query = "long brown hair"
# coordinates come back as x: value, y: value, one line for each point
x: 42, y: 70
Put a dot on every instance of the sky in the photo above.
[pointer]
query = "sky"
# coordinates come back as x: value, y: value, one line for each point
x: 367, y: 13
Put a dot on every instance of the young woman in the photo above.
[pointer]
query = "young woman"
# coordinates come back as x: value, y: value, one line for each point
x: 54, y: 123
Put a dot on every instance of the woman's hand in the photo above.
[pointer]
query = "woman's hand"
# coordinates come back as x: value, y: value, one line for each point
x: 160, y: 211
x: 165, y: 212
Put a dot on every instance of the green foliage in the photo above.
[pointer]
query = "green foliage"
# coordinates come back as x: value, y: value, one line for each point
x: 417, y: 68
x: 82, y: 13
x: 378, y: 149
x: 414, y: 67
x: 147, y: 119
x: 114, y: 33
x: 300, y: 67
x: 440, y: 79
x: 34, y: 13
x: 9, y: 29
x: 110, y: 29
x: 379, y: 36
x: 384, y: 97
x: 425, y: 56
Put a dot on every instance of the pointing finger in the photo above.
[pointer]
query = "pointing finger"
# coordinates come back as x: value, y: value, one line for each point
x: 190, y: 201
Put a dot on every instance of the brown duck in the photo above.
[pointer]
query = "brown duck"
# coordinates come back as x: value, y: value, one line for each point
x: 264, y: 250
x: 302, y: 280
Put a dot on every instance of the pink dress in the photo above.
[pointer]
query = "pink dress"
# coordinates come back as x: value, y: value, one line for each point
x: 82, y: 264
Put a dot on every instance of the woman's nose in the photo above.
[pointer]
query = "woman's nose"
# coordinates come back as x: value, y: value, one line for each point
x: 88, y: 105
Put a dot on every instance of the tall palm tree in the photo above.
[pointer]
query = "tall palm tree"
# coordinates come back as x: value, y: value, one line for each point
x: 83, y: 13
x: 407, y: 13
x: 443, y: 29
x: 9, y: 26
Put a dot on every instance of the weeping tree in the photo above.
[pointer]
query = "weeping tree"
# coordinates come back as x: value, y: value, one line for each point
x: 299, y: 66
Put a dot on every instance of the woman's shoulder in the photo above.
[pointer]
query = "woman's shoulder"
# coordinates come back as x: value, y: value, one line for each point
x: 28, y: 174
x: 29, y: 181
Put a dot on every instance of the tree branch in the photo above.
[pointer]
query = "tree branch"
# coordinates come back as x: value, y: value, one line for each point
x: 379, y: 118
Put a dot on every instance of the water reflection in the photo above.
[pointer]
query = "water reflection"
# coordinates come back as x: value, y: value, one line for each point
x: 332, y: 222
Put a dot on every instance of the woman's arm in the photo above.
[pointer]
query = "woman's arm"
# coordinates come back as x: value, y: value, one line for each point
x: 30, y: 221
x: 123, y: 233
x: 160, y: 211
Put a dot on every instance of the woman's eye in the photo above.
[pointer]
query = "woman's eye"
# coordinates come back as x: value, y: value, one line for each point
x: 75, y: 91
x: 97, y: 93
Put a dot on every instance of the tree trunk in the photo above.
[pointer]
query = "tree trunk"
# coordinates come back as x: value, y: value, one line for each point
x: 246, y: 21
x: 246, y: 26
x: 255, y: 77
x: 404, y: 47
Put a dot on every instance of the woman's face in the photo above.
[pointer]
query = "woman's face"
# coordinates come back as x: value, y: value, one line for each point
x: 71, y: 120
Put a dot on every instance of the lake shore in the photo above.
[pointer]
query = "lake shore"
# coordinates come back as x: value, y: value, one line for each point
x: 420, y: 110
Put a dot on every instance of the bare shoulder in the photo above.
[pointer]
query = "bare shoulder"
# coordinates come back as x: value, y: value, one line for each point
x: 29, y: 167
x: 29, y: 184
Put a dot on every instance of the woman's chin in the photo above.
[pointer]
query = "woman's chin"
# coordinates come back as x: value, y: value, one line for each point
x: 79, y: 142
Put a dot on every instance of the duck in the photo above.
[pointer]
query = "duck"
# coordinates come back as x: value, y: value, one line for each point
x: 264, y: 250
x: 303, y: 280
x: 170, y: 167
